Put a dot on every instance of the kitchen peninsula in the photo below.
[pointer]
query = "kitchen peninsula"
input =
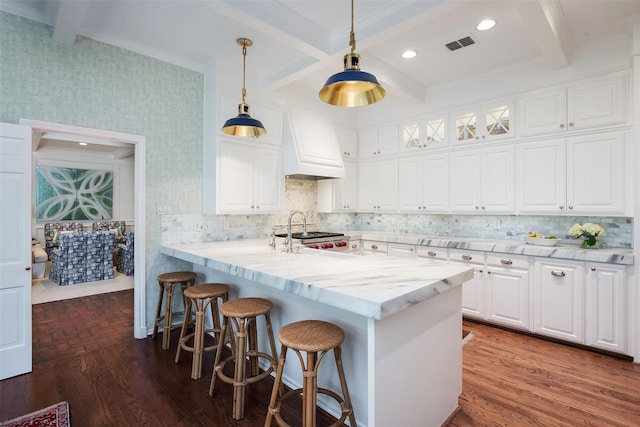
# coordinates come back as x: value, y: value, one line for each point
x: 402, y: 320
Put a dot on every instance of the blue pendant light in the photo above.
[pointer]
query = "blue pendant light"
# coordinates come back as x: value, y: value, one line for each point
x: 243, y: 124
x: 352, y: 87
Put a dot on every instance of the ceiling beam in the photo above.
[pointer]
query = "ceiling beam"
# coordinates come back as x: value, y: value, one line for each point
x: 546, y: 24
x: 69, y: 20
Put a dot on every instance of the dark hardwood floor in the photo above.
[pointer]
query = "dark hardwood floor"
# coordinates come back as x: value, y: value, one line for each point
x: 84, y: 353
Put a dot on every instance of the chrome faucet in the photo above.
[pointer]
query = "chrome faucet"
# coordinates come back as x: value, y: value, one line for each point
x: 304, y: 229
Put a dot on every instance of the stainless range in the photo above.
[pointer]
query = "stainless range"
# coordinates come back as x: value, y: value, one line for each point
x: 320, y: 240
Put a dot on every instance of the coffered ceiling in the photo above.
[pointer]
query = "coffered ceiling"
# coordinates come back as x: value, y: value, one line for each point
x: 302, y: 42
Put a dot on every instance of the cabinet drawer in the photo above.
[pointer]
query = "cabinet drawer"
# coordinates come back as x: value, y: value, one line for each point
x: 370, y: 247
x: 431, y: 252
x: 508, y: 261
x: 401, y: 250
x: 461, y: 256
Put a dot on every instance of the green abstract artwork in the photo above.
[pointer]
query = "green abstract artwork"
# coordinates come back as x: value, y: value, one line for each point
x: 67, y: 194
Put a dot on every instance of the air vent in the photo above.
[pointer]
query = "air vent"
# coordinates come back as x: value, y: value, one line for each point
x: 463, y: 42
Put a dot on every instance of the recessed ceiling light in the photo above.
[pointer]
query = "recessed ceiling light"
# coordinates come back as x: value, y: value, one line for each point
x: 408, y: 54
x: 82, y: 143
x: 486, y: 24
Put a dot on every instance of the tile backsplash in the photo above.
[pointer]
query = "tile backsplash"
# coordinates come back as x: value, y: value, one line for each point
x: 301, y: 195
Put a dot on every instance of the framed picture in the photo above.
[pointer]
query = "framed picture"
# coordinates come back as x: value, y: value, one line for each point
x: 68, y: 194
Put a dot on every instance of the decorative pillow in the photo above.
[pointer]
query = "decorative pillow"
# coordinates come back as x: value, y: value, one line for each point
x: 116, y: 230
x: 56, y: 237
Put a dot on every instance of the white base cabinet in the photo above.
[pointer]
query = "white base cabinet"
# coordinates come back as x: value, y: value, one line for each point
x: 606, y: 307
x: 558, y: 299
x: 339, y: 195
x: 507, y: 289
x: 473, y: 295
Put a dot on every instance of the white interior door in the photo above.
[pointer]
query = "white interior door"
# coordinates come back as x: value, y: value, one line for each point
x: 15, y: 250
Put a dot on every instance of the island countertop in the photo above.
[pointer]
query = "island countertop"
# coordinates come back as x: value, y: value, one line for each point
x: 374, y: 287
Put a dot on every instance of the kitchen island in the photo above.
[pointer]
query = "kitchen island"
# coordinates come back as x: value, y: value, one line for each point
x: 402, y: 320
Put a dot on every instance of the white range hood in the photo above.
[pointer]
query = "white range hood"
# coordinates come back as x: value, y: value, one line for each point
x: 311, y: 148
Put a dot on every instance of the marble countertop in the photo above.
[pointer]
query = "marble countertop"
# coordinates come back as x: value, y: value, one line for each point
x: 374, y: 287
x: 609, y: 255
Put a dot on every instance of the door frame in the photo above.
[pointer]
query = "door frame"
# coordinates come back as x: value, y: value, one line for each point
x: 139, y: 142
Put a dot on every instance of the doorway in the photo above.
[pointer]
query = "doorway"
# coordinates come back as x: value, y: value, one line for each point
x: 139, y: 143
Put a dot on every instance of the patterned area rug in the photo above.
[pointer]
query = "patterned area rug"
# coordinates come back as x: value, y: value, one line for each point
x: 54, y: 416
x: 466, y: 336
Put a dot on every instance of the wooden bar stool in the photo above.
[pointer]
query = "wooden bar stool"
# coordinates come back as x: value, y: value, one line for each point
x: 197, y: 299
x: 168, y: 283
x: 243, y: 313
x: 312, y: 337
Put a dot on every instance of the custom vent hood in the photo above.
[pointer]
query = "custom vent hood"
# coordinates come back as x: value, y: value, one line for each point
x: 311, y: 148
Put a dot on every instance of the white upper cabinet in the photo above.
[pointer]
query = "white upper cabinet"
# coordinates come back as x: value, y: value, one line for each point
x: 249, y: 180
x: 423, y: 184
x: 339, y: 195
x: 595, y: 102
x: 483, y: 180
x: 577, y: 175
x: 272, y: 119
x: 378, y: 186
x: 430, y: 133
x: 348, y: 141
x: 486, y: 122
x: 381, y: 141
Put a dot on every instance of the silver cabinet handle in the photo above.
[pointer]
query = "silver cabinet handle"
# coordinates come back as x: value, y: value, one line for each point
x: 570, y: 207
x: 467, y: 257
x: 506, y: 261
x: 27, y: 268
x: 411, y: 250
x: 561, y: 207
x: 557, y: 273
x: 374, y: 246
x: 593, y: 269
x: 561, y: 125
x: 354, y: 246
x: 431, y: 253
x: 570, y: 124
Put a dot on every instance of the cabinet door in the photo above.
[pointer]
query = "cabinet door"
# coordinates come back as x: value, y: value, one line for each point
x: 473, y: 293
x: 465, y: 181
x: 388, y: 140
x: 348, y: 141
x: 345, y: 189
x: 435, y: 184
x: 597, y: 103
x: 410, y: 184
x: 596, y: 174
x: 411, y: 136
x: 606, y: 311
x: 559, y: 300
x: 498, y: 176
x: 388, y: 185
x: 236, y: 182
x: 507, y: 284
x: 269, y: 181
x: 541, y: 177
x: 542, y: 112
x: 368, y: 143
x: 367, y: 187
x: 437, y: 132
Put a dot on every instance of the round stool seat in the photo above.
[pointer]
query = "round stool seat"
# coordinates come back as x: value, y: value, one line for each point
x: 207, y: 290
x: 311, y: 335
x: 177, y: 277
x: 246, y: 307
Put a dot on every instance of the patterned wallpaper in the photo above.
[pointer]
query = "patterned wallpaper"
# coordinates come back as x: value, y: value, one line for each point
x: 95, y: 85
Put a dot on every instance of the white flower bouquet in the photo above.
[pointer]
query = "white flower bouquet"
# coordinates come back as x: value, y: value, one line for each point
x: 589, y: 231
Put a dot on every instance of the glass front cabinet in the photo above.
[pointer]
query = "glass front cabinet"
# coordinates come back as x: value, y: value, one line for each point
x: 425, y: 133
x: 483, y: 123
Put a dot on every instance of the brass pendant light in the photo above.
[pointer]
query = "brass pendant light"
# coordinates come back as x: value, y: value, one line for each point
x: 243, y: 124
x: 352, y: 87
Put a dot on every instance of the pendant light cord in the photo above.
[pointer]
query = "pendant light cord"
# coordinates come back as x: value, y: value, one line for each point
x: 244, y: 70
x: 352, y: 35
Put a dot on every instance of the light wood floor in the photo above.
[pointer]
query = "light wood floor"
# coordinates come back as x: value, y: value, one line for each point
x: 511, y: 379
